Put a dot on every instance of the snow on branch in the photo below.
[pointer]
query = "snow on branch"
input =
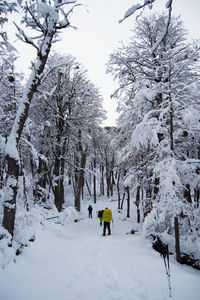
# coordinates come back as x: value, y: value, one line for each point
x: 133, y: 9
x: 24, y: 38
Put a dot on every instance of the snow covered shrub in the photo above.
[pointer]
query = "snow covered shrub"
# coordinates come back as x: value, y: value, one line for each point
x: 7, y: 253
x: 26, y: 225
x: 69, y: 215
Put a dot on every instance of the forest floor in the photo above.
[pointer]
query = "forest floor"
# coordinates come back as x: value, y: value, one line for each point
x: 75, y: 262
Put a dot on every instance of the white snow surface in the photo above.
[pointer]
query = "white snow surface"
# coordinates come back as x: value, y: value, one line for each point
x: 73, y: 261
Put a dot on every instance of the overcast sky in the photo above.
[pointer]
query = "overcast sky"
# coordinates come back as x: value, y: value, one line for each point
x: 99, y: 33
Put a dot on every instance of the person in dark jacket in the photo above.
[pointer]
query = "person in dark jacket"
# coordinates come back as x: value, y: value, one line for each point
x: 90, y: 211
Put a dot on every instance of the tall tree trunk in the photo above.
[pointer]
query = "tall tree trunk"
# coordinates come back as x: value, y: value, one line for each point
x: 88, y: 188
x: 128, y: 202
x: 112, y: 182
x: 108, y: 179
x: 79, y: 182
x: 177, y: 240
x: 138, y: 204
x: 12, y: 185
x: 1, y: 173
x: 57, y: 199
x: 94, y: 181
x: 102, y: 180
x: 124, y: 194
x: 80, y: 173
x: 11, y: 149
x: 118, y: 189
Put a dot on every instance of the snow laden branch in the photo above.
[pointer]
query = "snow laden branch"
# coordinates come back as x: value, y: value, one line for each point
x: 136, y: 7
x: 24, y: 38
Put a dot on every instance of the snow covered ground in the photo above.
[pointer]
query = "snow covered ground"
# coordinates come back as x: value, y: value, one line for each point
x: 75, y: 262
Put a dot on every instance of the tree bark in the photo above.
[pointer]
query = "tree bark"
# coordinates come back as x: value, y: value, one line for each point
x: 177, y: 240
x: 123, y: 200
x: 94, y: 182
x: 128, y: 202
x: 88, y: 188
x: 138, y: 204
x: 102, y: 181
x: 79, y: 178
x: 118, y: 190
x: 79, y: 182
x: 10, y: 203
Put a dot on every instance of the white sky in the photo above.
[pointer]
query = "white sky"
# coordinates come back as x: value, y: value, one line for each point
x: 99, y: 33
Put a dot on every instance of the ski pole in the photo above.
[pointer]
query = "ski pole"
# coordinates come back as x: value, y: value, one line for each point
x: 167, y: 268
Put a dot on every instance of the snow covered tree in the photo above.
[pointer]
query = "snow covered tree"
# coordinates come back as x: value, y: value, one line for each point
x: 64, y: 101
x: 45, y: 19
x: 156, y: 96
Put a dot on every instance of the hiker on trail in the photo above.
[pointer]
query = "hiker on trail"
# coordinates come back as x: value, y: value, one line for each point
x: 107, y: 218
x: 90, y: 211
x: 100, y: 216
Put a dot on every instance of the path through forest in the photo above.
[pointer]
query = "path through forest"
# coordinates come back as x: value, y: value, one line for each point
x: 75, y: 262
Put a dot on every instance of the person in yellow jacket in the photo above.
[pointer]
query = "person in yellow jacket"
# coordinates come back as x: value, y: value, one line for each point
x: 107, y: 218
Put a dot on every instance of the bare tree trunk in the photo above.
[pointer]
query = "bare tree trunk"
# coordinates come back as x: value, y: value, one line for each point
x: 10, y: 204
x: 138, y: 204
x: 80, y: 174
x: 112, y: 180
x: 123, y: 200
x: 88, y: 188
x: 128, y: 202
x: 1, y: 173
x: 94, y: 182
x: 118, y: 190
x: 108, y: 180
x: 57, y: 198
x: 102, y: 181
x: 112, y: 183
x: 79, y: 182
x: 177, y: 240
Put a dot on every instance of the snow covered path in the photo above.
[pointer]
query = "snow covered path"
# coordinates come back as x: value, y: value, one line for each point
x: 75, y: 262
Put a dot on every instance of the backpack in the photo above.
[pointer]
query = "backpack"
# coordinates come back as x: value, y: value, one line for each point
x: 107, y: 215
x: 100, y: 214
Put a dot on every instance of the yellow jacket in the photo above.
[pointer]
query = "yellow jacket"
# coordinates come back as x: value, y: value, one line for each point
x: 107, y: 215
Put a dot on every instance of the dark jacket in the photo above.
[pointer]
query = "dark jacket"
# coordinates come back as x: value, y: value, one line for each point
x: 90, y: 208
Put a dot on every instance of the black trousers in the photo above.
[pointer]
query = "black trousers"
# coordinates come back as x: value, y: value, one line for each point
x: 106, y: 225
